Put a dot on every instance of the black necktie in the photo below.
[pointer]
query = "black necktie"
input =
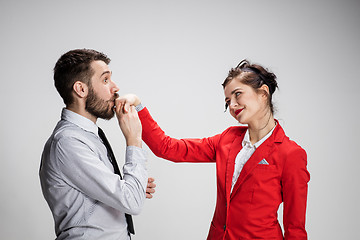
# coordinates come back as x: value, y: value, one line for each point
x: 117, y: 171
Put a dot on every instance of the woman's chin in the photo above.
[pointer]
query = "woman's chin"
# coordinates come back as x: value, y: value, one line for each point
x: 241, y: 120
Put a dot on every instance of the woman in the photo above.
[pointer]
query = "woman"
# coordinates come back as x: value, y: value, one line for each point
x: 258, y: 167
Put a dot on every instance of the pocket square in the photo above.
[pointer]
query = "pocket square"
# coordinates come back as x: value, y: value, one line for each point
x: 264, y: 162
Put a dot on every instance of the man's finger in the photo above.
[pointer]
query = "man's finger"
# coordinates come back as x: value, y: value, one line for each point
x: 126, y: 107
x: 150, y: 190
x: 118, y: 107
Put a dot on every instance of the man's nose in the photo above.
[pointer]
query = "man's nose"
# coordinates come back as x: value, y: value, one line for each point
x: 114, y: 87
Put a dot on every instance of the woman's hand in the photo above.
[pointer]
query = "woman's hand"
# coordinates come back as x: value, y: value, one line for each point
x: 128, y: 100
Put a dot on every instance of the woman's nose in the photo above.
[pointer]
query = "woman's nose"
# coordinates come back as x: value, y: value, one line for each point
x: 233, y: 103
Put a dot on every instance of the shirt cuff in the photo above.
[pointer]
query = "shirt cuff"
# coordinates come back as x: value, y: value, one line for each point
x: 139, y: 107
x: 135, y: 155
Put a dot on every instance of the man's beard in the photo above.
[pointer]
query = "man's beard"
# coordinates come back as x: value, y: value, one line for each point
x: 98, y: 107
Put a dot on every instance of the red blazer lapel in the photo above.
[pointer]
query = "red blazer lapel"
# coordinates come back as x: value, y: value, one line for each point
x: 260, y: 153
x: 235, y: 148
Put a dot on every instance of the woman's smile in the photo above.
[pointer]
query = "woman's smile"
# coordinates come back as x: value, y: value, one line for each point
x: 238, y: 111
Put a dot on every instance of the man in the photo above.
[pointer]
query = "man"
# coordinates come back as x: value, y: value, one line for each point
x: 79, y: 176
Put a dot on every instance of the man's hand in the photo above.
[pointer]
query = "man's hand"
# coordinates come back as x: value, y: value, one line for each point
x: 129, y: 123
x: 129, y: 100
x: 150, y: 189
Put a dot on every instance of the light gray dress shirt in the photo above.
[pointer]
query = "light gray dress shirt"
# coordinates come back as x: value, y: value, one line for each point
x: 87, y: 199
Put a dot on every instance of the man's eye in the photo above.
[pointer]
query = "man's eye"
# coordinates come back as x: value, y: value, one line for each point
x: 237, y: 94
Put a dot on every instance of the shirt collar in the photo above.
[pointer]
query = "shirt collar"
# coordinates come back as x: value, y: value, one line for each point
x: 79, y: 120
x: 246, y: 140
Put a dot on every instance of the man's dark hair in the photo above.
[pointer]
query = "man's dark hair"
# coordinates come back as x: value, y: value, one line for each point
x: 75, y: 66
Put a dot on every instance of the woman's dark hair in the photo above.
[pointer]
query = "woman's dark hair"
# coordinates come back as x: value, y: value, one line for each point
x: 254, y: 76
x: 75, y: 66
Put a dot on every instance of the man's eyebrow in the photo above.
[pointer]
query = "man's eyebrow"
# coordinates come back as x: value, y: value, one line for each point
x: 106, y: 72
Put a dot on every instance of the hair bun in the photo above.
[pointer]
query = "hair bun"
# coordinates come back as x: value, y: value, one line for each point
x: 256, y: 76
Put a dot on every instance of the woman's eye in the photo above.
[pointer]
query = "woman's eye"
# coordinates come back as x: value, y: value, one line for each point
x: 105, y: 80
x: 237, y: 94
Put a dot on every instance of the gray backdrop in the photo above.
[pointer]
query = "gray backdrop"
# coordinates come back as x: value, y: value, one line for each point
x: 175, y: 55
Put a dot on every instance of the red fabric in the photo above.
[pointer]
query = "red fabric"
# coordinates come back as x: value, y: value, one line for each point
x: 250, y: 211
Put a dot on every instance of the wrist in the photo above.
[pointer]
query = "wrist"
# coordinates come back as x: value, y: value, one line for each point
x: 137, y: 142
x: 139, y: 107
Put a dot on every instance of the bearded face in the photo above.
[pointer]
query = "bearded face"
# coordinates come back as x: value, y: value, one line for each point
x: 99, y: 107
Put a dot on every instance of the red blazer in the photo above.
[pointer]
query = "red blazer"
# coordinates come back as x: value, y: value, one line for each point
x: 250, y: 211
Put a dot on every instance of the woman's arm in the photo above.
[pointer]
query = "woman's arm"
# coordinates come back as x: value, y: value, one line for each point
x: 295, y: 187
x: 176, y: 150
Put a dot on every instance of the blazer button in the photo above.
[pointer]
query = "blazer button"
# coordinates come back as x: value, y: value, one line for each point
x: 224, y: 227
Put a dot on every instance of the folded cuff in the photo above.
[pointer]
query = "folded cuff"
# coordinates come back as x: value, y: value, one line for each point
x: 135, y: 155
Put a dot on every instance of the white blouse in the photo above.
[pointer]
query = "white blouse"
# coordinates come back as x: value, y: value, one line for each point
x: 245, y: 153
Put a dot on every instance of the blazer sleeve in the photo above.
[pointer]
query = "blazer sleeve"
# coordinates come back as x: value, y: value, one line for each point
x: 176, y: 150
x: 295, y: 180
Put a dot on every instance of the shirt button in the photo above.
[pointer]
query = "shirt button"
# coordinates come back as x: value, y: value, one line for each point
x: 224, y: 227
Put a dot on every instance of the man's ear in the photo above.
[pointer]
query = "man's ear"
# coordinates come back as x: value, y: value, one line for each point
x: 80, y: 89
